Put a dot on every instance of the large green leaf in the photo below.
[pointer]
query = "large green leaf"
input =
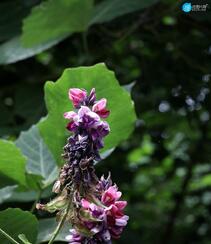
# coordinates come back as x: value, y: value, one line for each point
x: 39, y: 159
x: 6, y: 193
x: 16, y: 221
x: 55, y: 18
x: 47, y: 227
x: 12, y: 162
x: 29, y: 196
x: 111, y: 9
x: 13, y: 51
x: 121, y: 119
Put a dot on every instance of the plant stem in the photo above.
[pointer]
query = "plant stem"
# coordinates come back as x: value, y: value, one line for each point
x: 36, y: 201
x: 59, y: 226
x: 8, y: 236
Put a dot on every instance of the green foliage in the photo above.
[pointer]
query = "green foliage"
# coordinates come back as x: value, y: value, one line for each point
x: 15, y: 221
x: 57, y: 101
x: 108, y: 10
x: 39, y: 159
x: 6, y: 193
x: 13, y: 50
x: 55, y: 18
x: 51, y: 22
x: 12, y: 162
x: 141, y: 155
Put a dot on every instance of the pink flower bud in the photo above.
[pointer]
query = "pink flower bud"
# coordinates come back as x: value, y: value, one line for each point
x: 77, y: 96
x: 111, y: 195
x: 85, y: 204
x: 56, y: 187
x: 100, y: 108
x: 121, y: 204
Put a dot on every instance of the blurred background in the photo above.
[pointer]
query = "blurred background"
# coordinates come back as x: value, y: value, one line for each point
x: 163, y: 56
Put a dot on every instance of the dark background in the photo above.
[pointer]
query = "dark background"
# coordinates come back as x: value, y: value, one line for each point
x: 164, y: 168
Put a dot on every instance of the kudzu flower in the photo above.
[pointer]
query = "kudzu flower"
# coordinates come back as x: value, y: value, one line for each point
x: 102, y: 220
x: 77, y: 96
x: 89, y: 123
x: 100, y: 108
x: 91, y: 205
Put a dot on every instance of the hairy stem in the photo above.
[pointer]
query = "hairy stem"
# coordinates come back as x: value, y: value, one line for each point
x: 8, y: 237
x: 59, y: 226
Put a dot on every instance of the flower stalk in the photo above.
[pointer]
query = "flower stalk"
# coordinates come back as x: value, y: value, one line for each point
x: 59, y: 226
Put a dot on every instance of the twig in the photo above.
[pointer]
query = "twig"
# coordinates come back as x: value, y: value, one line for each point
x: 8, y: 237
x: 59, y: 226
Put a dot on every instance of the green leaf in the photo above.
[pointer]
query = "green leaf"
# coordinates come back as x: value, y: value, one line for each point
x: 13, y: 51
x: 55, y: 18
x: 6, y: 193
x: 122, y: 117
x: 111, y: 9
x: 29, y: 196
x: 39, y: 159
x: 46, y: 228
x: 12, y: 162
x: 15, y: 221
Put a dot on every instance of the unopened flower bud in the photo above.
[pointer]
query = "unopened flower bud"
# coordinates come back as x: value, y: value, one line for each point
x: 57, y: 187
x: 59, y: 203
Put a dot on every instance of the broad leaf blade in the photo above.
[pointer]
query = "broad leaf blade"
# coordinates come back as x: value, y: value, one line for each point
x: 12, y: 162
x: 39, y: 159
x: 121, y: 119
x: 13, y: 51
x: 55, y: 18
x: 16, y: 221
x: 6, y: 193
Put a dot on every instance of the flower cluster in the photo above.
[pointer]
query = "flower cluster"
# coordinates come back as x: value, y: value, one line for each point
x: 102, y: 219
x: 91, y: 205
x: 87, y: 120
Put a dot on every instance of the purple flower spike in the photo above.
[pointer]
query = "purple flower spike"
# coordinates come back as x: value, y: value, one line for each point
x: 95, y: 210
